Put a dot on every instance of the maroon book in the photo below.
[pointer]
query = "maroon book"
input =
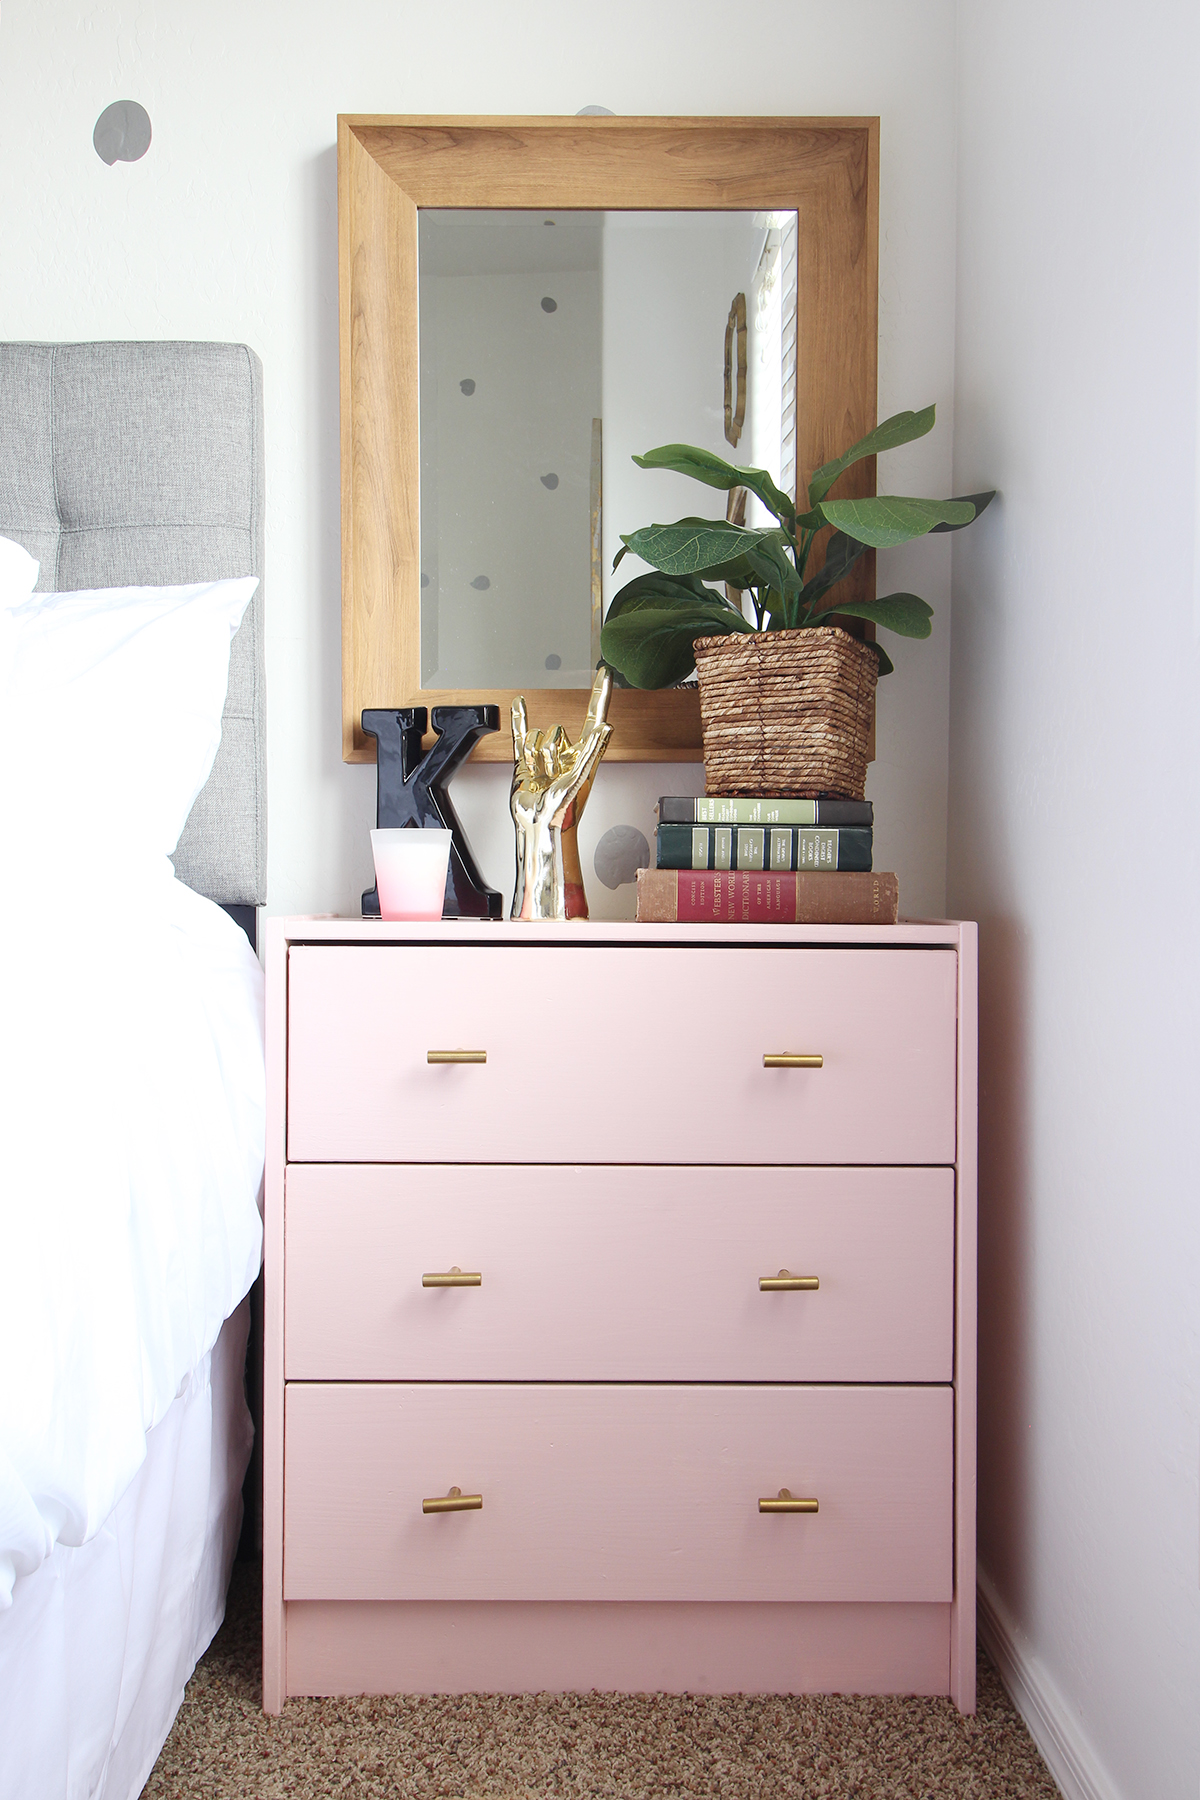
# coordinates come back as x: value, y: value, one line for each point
x: 764, y: 897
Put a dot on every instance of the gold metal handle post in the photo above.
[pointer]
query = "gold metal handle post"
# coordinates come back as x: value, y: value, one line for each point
x: 454, y: 1501
x: 456, y: 1056
x: 787, y: 1283
x: 789, y: 1059
x: 454, y: 1277
x: 787, y: 1502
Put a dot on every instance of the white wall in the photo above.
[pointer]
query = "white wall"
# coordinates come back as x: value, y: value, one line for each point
x: 1075, y: 814
x: 227, y: 229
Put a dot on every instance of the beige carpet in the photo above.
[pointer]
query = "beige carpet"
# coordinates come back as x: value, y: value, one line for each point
x: 625, y: 1747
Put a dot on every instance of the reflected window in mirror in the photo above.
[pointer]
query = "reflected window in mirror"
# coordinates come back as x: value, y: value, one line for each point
x: 553, y: 347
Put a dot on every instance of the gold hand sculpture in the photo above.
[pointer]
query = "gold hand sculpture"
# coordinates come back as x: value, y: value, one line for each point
x: 552, y: 778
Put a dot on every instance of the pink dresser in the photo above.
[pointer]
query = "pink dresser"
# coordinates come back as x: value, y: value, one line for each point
x: 620, y: 1309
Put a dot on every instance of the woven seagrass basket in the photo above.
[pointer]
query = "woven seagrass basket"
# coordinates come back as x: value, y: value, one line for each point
x: 786, y: 712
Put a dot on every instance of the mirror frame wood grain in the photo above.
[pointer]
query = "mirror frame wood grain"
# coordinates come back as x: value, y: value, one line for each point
x: 825, y: 170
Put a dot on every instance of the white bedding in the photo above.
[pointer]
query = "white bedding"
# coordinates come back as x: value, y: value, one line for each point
x: 99, y: 1642
x: 131, y: 1155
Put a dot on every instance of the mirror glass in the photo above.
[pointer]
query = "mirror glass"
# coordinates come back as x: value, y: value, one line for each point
x: 554, y: 347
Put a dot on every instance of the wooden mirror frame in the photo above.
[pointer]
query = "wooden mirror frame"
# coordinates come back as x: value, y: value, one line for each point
x: 825, y: 170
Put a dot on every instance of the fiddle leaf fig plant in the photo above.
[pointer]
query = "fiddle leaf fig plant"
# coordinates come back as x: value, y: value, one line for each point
x: 655, y: 619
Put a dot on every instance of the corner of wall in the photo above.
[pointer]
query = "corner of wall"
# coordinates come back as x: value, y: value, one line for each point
x: 1047, y: 1716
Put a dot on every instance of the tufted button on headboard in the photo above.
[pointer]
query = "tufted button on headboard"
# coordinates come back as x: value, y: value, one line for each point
x: 131, y: 464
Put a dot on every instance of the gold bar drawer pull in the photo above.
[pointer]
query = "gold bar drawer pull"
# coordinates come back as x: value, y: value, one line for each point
x: 790, y: 1059
x: 787, y: 1502
x: 456, y: 1056
x: 454, y: 1277
x: 787, y: 1283
x: 454, y: 1501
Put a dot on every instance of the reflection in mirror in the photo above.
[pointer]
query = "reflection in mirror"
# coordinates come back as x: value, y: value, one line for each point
x: 553, y: 348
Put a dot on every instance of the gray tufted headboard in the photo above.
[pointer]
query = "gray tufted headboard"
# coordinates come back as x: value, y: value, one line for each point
x: 142, y: 464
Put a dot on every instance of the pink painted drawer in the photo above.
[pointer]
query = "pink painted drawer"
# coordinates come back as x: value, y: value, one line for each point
x: 617, y: 1493
x: 609, y: 1274
x: 655, y: 1054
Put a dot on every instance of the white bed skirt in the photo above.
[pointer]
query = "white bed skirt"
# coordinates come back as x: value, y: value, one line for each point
x: 99, y: 1641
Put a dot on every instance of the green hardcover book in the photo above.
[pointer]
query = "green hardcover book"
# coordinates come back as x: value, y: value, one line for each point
x: 745, y: 809
x: 777, y: 847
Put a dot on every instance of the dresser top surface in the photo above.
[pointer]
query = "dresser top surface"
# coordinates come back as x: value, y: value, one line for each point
x: 595, y: 933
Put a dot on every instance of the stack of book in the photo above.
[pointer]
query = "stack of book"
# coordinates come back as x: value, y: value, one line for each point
x: 760, y: 859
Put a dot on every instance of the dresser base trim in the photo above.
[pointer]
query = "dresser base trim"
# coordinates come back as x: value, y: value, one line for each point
x: 521, y: 1647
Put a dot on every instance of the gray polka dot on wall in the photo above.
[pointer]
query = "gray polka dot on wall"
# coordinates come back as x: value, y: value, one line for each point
x: 550, y: 481
x: 122, y: 132
x: 554, y: 661
x: 481, y: 582
x: 621, y: 852
x: 549, y: 305
x: 467, y: 387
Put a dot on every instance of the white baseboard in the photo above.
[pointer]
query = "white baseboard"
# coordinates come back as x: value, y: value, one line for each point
x: 1052, y: 1725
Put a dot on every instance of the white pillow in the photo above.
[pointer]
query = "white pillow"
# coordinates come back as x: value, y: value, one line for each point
x: 18, y: 573
x: 109, y: 724
x: 18, y: 578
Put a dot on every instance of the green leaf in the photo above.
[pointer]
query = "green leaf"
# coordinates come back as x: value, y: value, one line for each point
x: 905, y: 614
x: 714, y: 471
x: 652, y: 589
x: 652, y: 645
x: 901, y: 428
x: 978, y: 501
x: 886, y: 665
x: 841, y: 553
x: 769, y: 567
x: 691, y: 546
x: 776, y: 545
x: 764, y: 565
x: 740, y: 573
x: 893, y: 519
x: 624, y: 550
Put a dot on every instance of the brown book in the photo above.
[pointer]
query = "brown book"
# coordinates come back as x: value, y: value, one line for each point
x: 772, y: 897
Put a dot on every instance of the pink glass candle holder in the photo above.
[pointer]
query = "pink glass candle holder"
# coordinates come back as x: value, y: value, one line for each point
x: 410, y: 871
